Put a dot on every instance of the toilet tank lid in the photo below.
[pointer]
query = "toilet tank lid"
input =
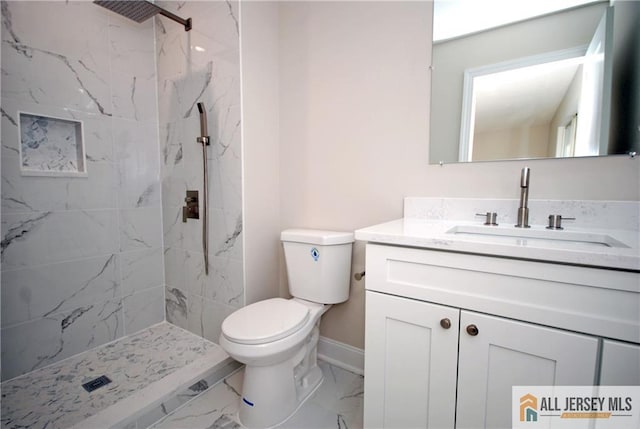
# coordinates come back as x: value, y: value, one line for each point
x: 317, y: 236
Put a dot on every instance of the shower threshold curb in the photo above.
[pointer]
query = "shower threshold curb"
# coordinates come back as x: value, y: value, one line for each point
x: 158, y: 399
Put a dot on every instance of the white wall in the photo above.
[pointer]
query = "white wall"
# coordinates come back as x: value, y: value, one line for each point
x: 353, y: 122
x: 518, y: 142
x: 261, y: 148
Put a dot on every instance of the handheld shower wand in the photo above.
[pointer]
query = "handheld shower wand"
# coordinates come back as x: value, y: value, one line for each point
x: 204, y: 139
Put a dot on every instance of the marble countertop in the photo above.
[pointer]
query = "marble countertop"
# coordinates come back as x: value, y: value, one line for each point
x: 569, y: 246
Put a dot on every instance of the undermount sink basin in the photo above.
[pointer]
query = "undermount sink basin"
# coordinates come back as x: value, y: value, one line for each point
x: 537, y: 236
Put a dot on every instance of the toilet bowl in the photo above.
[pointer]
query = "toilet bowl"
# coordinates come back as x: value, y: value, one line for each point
x: 279, y: 373
x: 277, y: 338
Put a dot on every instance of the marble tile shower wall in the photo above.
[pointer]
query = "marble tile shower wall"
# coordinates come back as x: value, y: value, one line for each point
x: 201, y: 65
x: 82, y: 256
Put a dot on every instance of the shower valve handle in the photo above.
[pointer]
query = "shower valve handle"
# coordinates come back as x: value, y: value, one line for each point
x: 190, y: 210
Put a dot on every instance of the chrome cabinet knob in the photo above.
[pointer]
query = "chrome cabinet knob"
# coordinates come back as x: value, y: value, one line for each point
x: 472, y: 330
x: 445, y: 323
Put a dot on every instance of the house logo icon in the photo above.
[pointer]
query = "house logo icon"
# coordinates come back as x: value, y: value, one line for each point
x: 528, y: 408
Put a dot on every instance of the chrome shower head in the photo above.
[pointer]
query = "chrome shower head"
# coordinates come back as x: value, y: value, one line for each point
x: 140, y: 10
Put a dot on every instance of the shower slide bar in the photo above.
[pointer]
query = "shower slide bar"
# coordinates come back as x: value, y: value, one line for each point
x: 204, y: 139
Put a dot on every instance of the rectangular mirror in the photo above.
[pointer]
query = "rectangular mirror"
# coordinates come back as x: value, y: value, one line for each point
x: 534, y: 79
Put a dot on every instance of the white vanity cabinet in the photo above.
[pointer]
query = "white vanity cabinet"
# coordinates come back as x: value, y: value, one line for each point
x: 413, y: 365
x: 410, y: 363
x: 620, y: 364
x: 448, y: 334
x: 506, y: 353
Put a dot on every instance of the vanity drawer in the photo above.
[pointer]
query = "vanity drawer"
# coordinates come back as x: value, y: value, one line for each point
x: 583, y: 299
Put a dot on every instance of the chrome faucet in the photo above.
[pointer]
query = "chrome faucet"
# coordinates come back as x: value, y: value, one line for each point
x: 523, y: 210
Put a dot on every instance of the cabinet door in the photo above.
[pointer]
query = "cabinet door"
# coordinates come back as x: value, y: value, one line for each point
x: 505, y: 353
x: 410, y: 363
x: 620, y: 364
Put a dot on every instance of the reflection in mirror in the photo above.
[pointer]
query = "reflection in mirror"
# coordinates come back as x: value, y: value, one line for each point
x: 538, y: 88
x: 511, y: 110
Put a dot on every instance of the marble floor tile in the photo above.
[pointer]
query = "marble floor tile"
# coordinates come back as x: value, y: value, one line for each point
x: 217, y: 406
x: 336, y: 404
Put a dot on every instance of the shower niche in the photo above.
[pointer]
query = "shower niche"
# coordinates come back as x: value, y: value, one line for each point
x: 51, y: 146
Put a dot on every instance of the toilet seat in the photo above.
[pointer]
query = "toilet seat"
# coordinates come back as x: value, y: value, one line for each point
x: 265, y: 321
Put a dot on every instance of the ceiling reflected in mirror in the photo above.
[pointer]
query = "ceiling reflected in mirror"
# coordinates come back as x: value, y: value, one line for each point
x: 455, y: 18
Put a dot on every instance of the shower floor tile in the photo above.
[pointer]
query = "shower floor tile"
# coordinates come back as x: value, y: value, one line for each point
x: 149, y: 369
x: 336, y: 404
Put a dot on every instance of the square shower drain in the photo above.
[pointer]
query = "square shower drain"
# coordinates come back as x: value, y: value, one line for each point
x: 96, y: 383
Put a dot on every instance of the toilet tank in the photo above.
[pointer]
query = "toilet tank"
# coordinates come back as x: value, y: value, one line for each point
x: 318, y: 264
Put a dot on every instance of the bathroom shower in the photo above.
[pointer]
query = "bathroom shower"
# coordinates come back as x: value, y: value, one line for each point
x: 141, y: 10
x: 124, y: 296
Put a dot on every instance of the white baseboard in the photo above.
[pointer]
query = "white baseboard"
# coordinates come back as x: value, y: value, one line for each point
x: 341, y: 355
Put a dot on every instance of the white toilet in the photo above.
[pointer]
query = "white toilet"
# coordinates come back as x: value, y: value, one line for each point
x: 277, y: 338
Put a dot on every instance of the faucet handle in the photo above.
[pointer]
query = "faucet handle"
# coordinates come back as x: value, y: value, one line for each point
x: 490, y: 218
x: 555, y: 221
x: 524, y: 177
